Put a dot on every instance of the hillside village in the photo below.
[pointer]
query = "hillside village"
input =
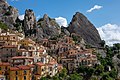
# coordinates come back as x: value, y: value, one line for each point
x: 44, y: 50
x: 28, y: 60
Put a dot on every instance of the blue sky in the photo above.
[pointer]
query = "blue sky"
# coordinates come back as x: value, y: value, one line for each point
x: 110, y: 13
x: 104, y: 14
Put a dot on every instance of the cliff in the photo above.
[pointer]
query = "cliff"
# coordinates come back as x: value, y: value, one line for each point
x: 82, y: 26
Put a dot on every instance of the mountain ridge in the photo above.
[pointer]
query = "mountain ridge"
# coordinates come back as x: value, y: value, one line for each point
x: 47, y: 27
x: 82, y: 26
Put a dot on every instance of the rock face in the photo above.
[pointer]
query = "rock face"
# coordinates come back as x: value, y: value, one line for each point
x: 116, y: 61
x: 8, y: 14
x: 30, y: 23
x: 65, y: 31
x: 49, y: 26
x: 82, y: 26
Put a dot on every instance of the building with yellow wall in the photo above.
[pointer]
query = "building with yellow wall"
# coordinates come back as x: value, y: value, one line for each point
x: 20, y: 73
x: 4, y: 67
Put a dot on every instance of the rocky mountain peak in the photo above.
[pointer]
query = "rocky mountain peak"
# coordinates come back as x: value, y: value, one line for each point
x: 3, y: 2
x: 49, y: 26
x: 80, y: 17
x: 29, y: 21
x: 46, y: 19
x: 83, y: 27
x: 45, y: 16
x: 8, y: 14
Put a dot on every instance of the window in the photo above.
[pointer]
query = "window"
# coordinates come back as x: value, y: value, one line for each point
x: 50, y: 68
x: 11, y: 54
x: 11, y: 50
x: 16, y: 73
x: 13, y: 37
x: 24, y: 77
x: 42, y: 69
x: 6, y: 68
x: 25, y: 72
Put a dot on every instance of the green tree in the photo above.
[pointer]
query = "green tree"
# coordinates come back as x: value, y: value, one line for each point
x: 102, y: 43
x: 99, y: 69
x: 44, y: 78
x: 106, y: 77
x: 116, y: 47
x: 113, y: 73
x: 55, y: 78
x: 63, y: 73
x: 75, y: 77
x: 3, y: 26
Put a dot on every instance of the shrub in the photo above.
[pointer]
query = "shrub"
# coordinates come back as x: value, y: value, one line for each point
x: 3, y: 26
x: 7, y: 13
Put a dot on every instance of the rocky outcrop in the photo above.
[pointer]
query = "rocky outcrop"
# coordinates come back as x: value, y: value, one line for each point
x: 30, y: 23
x: 65, y: 31
x: 49, y: 26
x: 82, y: 26
x: 8, y: 14
x: 116, y: 61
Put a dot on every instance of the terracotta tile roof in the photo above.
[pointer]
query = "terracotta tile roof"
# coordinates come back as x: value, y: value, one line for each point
x: 44, y: 39
x: 53, y: 62
x: 31, y: 65
x: 14, y: 68
x: 24, y: 67
x: 41, y: 50
x: 19, y: 57
x: 49, y: 65
x: 22, y: 50
x: 4, y: 64
x: 40, y: 64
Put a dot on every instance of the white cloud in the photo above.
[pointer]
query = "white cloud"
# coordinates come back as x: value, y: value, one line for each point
x: 21, y: 17
x: 38, y: 17
x: 61, y: 21
x: 96, y: 7
x: 110, y: 33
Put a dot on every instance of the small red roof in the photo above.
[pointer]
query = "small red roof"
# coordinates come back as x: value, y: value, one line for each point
x: 14, y: 69
x: 41, y: 50
x: 53, y: 62
x: 49, y: 65
x: 19, y: 57
x: 24, y: 67
x: 31, y: 65
x: 40, y: 64
x: 4, y: 64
